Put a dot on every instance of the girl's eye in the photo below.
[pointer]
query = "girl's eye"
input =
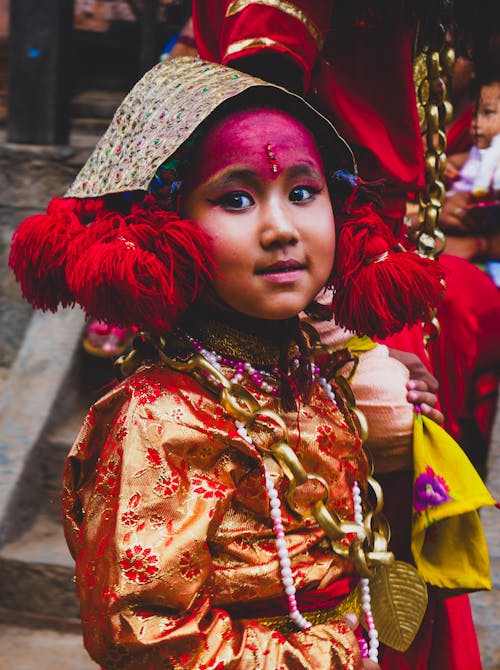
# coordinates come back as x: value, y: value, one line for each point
x: 235, y: 200
x: 303, y: 193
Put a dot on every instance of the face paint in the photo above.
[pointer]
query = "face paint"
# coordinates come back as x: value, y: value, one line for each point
x: 272, y: 230
x: 236, y: 141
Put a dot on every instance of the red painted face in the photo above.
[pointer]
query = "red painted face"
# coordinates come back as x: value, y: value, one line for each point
x: 258, y: 189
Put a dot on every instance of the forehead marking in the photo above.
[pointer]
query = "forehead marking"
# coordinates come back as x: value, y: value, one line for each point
x: 271, y: 159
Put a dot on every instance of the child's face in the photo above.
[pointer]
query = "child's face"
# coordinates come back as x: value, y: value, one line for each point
x: 258, y: 189
x: 486, y: 121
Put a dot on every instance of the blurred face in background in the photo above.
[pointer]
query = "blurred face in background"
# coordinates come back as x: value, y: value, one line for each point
x: 486, y: 120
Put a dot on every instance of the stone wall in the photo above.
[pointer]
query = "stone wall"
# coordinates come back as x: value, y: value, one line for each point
x: 29, y: 177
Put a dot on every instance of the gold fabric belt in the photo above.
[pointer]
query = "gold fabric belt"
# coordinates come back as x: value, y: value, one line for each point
x: 282, y: 623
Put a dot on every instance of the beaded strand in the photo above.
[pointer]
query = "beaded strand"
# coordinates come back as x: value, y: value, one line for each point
x: 373, y: 643
x: 241, y: 368
x: 281, y: 546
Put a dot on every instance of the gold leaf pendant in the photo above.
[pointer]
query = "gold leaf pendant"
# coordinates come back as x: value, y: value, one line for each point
x: 398, y: 602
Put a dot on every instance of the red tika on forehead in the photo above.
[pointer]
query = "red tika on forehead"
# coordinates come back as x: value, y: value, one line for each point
x: 236, y: 140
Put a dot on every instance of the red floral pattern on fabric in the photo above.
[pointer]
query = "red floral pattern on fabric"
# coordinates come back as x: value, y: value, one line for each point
x: 154, y: 457
x: 139, y: 564
x: 156, y: 520
x: 325, y: 438
x: 189, y: 566
x: 167, y: 486
x: 146, y: 390
x: 207, y: 487
x: 108, y: 479
x: 130, y: 518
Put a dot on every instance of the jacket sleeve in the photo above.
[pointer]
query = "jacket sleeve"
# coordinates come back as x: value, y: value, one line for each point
x: 234, y: 30
x: 138, y: 520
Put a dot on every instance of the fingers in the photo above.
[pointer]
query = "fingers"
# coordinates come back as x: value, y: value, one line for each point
x: 422, y: 397
x: 432, y: 413
x: 424, y: 382
x: 419, y: 394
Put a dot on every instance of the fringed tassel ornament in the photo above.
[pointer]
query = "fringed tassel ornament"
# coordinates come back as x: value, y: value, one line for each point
x: 141, y: 269
x: 379, y: 287
x: 39, y: 248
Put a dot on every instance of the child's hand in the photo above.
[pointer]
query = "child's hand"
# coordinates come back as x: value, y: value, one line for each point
x: 419, y: 394
x: 450, y: 171
x: 422, y: 386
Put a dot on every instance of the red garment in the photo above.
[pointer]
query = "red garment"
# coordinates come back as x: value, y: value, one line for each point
x: 458, y: 137
x: 362, y: 78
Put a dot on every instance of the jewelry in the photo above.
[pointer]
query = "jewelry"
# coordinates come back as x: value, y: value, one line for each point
x: 283, y: 555
x: 241, y: 368
x: 285, y: 570
x: 271, y: 159
x: 398, y: 619
x: 373, y: 644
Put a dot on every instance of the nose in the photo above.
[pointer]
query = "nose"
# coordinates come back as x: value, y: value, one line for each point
x: 278, y: 228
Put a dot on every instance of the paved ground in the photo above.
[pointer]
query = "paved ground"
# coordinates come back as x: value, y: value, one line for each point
x: 486, y: 606
x: 23, y: 649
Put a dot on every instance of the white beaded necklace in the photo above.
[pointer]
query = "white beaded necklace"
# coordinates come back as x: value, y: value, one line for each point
x: 368, y: 651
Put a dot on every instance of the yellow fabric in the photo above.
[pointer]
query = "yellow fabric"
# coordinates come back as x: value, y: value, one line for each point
x: 448, y: 543
x: 359, y: 344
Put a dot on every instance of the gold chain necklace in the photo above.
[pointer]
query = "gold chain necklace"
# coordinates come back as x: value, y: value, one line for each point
x: 399, y: 594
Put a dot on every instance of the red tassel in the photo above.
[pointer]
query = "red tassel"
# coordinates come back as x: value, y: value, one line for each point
x: 142, y: 269
x: 379, y: 288
x: 39, y: 245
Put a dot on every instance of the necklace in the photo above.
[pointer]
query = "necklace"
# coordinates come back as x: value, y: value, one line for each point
x: 244, y: 368
x: 262, y: 379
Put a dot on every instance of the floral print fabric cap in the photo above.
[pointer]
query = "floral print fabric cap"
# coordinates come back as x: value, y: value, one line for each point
x: 165, y: 107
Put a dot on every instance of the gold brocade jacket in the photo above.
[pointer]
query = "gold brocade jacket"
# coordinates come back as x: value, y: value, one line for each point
x: 167, y: 517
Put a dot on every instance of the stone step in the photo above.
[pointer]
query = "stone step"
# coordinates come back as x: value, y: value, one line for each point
x: 42, y: 649
x: 90, y: 379
x: 36, y: 576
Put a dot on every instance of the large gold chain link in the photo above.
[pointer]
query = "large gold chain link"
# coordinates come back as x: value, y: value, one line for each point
x: 365, y: 544
x: 435, y: 111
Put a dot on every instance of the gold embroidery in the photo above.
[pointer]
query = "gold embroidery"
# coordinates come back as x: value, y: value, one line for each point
x: 236, y: 343
x: 283, y: 623
x: 282, y: 6
x: 250, y: 43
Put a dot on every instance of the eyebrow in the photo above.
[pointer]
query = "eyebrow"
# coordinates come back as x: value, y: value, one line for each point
x: 228, y: 179
x: 303, y: 170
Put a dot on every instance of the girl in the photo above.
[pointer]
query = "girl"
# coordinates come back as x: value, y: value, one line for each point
x: 216, y: 501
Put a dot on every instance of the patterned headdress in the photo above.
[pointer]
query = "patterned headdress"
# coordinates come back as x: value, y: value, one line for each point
x: 121, y: 251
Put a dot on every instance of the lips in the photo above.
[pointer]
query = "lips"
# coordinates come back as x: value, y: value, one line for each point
x: 281, y: 267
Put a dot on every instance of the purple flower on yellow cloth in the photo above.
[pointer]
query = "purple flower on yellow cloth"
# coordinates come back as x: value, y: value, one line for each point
x: 429, y: 490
